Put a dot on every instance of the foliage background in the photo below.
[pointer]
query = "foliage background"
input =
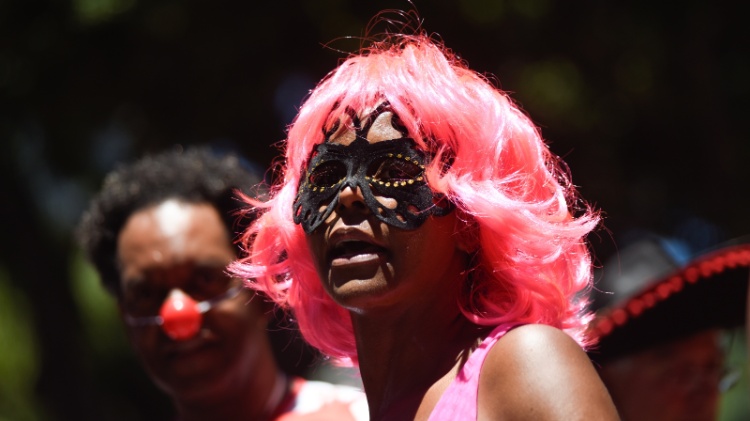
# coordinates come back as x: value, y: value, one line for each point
x: 646, y: 101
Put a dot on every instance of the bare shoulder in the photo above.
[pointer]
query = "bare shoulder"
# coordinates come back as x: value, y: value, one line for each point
x: 539, y: 372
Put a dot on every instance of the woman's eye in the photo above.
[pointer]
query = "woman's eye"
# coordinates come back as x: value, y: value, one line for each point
x: 327, y: 174
x: 393, y: 170
x: 203, y: 279
x: 144, y: 301
x: 208, y: 282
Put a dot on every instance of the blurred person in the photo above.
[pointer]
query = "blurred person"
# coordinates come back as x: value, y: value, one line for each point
x: 423, y: 231
x: 661, y: 324
x: 160, y: 233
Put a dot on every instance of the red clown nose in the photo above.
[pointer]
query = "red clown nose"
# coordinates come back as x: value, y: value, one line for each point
x: 181, y: 318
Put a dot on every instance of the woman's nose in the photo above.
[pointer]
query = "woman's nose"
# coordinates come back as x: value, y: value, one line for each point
x: 352, y: 198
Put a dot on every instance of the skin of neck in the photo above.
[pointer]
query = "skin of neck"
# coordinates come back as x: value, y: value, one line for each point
x: 404, y: 351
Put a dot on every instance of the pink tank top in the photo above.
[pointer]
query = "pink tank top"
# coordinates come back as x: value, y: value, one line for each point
x: 459, y: 401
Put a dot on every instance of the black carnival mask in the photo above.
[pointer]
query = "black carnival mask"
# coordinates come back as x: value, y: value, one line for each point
x: 390, y: 168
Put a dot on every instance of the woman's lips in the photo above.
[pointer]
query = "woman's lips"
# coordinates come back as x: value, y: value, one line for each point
x: 352, y: 246
x: 354, y: 252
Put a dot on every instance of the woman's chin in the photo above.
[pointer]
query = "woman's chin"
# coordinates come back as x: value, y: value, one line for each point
x: 359, y: 295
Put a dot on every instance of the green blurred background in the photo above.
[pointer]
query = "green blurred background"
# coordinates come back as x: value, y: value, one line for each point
x: 646, y: 101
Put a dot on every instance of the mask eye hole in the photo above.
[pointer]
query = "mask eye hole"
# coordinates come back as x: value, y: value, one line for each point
x: 327, y: 174
x: 390, y: 169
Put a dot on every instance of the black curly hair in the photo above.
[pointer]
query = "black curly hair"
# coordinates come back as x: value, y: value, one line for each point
x: 195, y: 175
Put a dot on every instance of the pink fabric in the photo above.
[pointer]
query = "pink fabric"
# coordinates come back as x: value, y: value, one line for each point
x: 460, y: 399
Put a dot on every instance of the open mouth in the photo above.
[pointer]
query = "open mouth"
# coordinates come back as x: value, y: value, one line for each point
x: 352, y: 251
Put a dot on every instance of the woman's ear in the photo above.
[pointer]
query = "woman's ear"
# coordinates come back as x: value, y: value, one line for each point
x: 467, y: 232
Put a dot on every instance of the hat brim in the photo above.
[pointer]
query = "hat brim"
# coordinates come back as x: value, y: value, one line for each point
x: 709, y: 292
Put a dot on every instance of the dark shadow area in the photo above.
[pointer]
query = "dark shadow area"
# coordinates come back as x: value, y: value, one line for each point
x: 645, y: 101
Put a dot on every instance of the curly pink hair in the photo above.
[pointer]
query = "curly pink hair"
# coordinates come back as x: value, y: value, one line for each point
x: 531, y: 263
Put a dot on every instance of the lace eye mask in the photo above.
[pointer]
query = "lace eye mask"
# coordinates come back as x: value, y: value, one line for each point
x: 391, y: 168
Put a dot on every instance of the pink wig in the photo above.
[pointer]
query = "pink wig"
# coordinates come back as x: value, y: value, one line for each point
x: 530, y: 263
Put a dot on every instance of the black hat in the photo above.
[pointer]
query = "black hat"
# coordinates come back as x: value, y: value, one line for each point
x: 654, y: 298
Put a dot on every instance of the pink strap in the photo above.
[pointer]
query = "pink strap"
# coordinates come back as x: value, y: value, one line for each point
x: 460, y: 399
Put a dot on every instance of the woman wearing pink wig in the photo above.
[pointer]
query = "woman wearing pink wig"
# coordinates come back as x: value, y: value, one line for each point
x: 423, y: 231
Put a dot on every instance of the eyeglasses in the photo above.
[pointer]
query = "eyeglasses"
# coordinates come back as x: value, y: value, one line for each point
x: 201, y: 307
x: 207, y: 286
